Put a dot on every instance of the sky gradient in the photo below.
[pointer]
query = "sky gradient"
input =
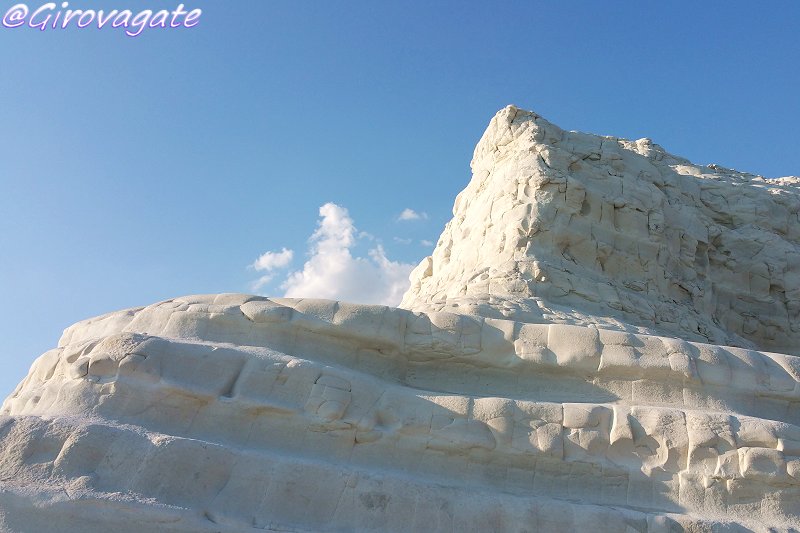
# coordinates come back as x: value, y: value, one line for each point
x: 137, y: 169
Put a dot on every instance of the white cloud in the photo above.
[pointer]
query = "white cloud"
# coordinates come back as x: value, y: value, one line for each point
x: 402, y: 241
x: 268, y: 262
x: 273, y: 260
x: 332, y: 271
x: 410, y: 214
x: 425, y: 242
x: 261, y: 282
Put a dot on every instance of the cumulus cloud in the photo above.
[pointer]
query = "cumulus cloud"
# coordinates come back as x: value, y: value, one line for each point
x: 268, y: 262
x: 410, y: 214
x: 273, y: 260
x: 333, y: 271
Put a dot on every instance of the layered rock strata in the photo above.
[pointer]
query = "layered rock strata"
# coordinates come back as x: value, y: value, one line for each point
x: 560, y: 369
x: 561, y: 226
x: 236, y: 412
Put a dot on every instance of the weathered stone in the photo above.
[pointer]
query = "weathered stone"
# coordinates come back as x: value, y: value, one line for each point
x: 544, y: 404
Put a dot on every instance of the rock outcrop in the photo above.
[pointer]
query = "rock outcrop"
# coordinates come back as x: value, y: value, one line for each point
x: 561, y: 226
x: 581, y: 353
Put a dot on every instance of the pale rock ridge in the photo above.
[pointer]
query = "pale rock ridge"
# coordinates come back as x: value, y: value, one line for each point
x: 238, y: 413
x: 561, y: 226
x: 516, y: 412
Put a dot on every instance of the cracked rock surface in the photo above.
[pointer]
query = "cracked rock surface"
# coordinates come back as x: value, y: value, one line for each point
x: 561, y: 226
x: 593, y: 346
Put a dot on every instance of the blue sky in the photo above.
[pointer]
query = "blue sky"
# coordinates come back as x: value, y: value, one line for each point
x: 137, y: 169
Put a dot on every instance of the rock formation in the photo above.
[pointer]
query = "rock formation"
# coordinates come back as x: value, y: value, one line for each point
x: 560, y: 226
x: 580, y: 353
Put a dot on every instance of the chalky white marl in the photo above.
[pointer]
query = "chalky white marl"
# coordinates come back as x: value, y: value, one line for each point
x: 560, y: 366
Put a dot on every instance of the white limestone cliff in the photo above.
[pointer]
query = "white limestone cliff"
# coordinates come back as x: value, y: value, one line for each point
x: 567, y: 361
x: 561, y: 226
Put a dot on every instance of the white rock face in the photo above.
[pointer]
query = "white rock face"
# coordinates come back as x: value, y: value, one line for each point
x: 540, y: 404
x: 560, y: 226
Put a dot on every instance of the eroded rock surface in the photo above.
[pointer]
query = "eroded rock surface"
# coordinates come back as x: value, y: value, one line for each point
x: 522, y: 395
x: 575, y: 228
